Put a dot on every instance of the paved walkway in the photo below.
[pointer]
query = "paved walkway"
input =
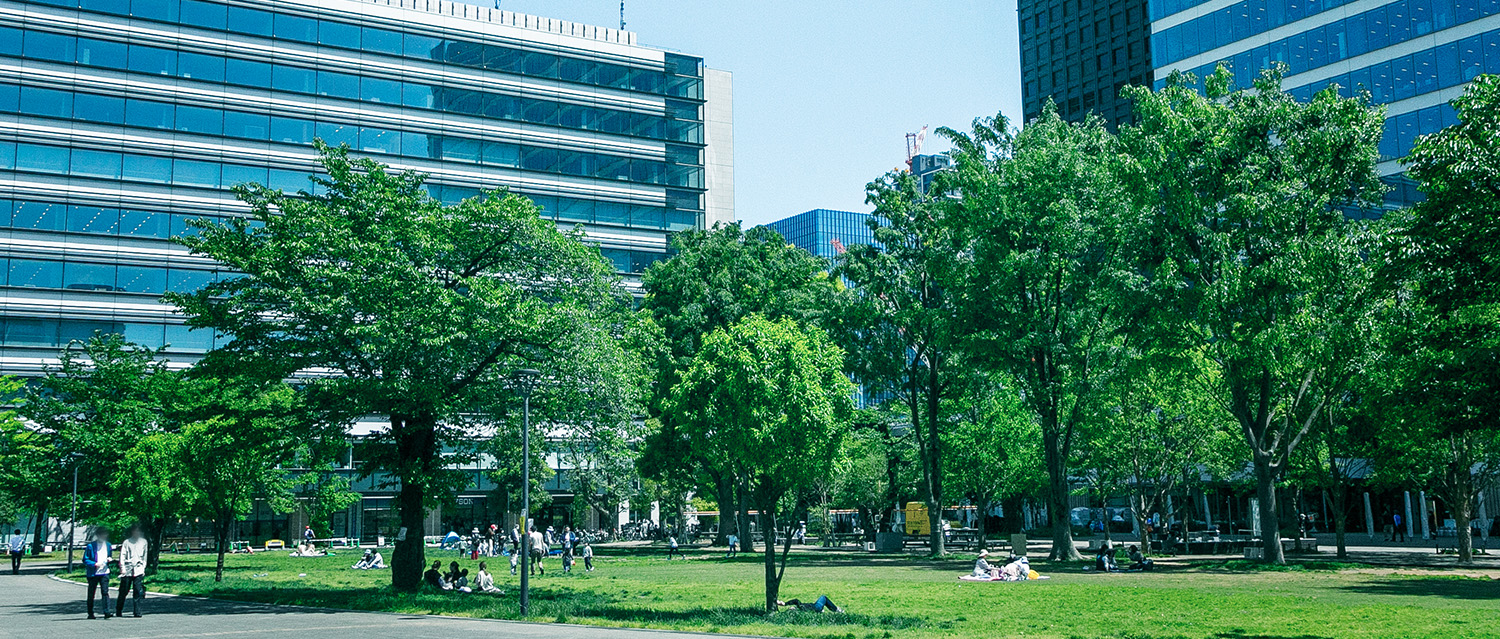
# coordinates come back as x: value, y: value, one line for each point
x: 34, y: 606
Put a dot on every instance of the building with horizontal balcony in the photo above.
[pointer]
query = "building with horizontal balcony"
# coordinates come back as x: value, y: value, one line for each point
x: 1413, y: 56
x: 120, y: 120
x: 1080, y: 54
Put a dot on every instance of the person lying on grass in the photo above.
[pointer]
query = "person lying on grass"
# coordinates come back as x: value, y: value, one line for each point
x: 823, y: 603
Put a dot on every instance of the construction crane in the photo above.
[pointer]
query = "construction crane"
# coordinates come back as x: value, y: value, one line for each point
x: 914, y: 142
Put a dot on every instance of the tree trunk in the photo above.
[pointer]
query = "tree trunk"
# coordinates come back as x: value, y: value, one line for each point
x: 773, y: 584
x: 747, y: 541
x: 156, y: 533
x: 1461, y: 519
x: 932, y: 453
x: 1059, y: 489
x: 416, y: 449
x: 221, y: 544
x: 1270, y: 520
x: 1340, y: 521
x: 39, y: 528
x: 725, y: 487
x: 984, y: 509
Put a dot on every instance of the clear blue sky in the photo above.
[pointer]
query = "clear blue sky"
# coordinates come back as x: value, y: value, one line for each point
x: 826, y: 90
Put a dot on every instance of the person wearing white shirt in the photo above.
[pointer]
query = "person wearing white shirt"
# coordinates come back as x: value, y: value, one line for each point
x: 132, y: 573
x: 96, y: 560
x: 17, y: 551
x: 538, y: 552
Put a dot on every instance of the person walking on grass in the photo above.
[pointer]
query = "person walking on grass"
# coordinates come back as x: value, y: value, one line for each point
x: 567, y: 549
x: 538, y: 552
x: 17, y: 548
x: 734, y: 547
x: 588, y: 557
x: 96, y: 558
x: 132, y: 573
x: 672, y: 548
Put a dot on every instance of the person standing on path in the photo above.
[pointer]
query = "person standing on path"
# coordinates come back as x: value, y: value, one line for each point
x: 96, y: 558
x: 17, y: 547
x: 132, y: 573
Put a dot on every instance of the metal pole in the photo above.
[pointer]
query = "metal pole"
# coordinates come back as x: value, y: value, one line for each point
x: 525, y: 504
x: 73, y: 519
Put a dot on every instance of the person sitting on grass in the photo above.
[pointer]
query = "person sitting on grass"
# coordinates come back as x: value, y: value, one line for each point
x: 461, y: 582
x: 823, y: 603
x: 1017, y: 569
x: 372, y: 560
x: 484, y: 581
x: 1105, y: 560
x: 451, y: 577
x: 1139, y: 561
x: 434, y: 578
x: 982, y: 567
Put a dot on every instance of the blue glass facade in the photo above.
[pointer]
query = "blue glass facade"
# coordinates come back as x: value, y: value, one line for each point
x: 822, y: 231
x: 1411, y: 55
x: 120, y: 120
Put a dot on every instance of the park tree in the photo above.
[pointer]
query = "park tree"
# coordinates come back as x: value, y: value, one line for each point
x: 154, y: 487
x: 1050, y: 296
x: 991, y: 447
x: 901, y: 323
x: 418, y: 310
x: 102, y: 396
x: 1444, y: 270
x: 718, y: 277
x: 874, y: 472
x: 320, y: 490
x: 1245, y: 191
x: 767, y: 401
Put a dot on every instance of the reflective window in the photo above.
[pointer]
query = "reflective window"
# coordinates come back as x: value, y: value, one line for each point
x: 145, y: 113
x: 254, y: 74
x: 96, y: 164
x: 185, y: 281
x: 140, y: 279
x: 83, y: 276
x: 196, y: 66
x: 295, y: 28
x: 93, y: 219
x: 251, y: 21
x: 39, y: 216
x: 48, y: 46
x: 255, y: 126
x: 46, y: 102
x: 379, y: 90
x: 99, y: 108
x: 164, y: 10
x: 152, y: 60
x: 285, y: 78
x: 184, y: 338
x: 10, y: 41
x: 195, y: 173
x: 235, y: 174
x: 46, y: 159
x: 200, y: 120
x: 102, y: 53
x: 381, y: 40
x: 338, y: 85
x: 203, y: 14
x: 291, y: 130
x: 35, y: 273
x: 144, y: 224
x: 147, y: 168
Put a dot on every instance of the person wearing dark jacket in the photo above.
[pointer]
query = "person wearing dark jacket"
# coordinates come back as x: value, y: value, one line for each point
x: 96, y: 558
x: 434, y: 578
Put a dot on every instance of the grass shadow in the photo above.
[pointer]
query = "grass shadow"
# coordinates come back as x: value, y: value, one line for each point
x: 1450, y: 587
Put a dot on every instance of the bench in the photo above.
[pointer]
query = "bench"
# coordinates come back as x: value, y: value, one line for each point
x: 1480, y: 543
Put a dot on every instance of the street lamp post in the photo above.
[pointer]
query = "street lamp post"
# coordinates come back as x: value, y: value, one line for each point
x: 73, y: 518
x: 525, y: 382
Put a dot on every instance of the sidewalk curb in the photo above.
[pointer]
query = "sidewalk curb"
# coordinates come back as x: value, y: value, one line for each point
x: 543, y: 624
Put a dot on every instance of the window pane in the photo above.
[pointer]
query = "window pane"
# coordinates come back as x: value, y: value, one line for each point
x: 181, y: 226
x: 419, y: 46
x: 251, y: 21
x: 338, y: 34
x: 502, y: 154
x: 81, y: 276
x: 288, y: 181
x: 203, y: 14
x: 152, y: 60
x: 147, y: 168
x: 251, y: 74
x: 379, y: 140
x: 417, y: 145
x: 460, y: 149
x: 335, y: 134
x: 235, y: 174
x: 338, y: 85
x: 145, y: 113
x: 194, y: 173
x: 46, y: 102
x: 183, y: 338
x: 200, y: 120
x: 117, y: 7
x: 49, y: 46
x: 380, y: 40
x: 97, y: 164
x: 416, y: 94
x: 148, y: 335
x: 251, y: 126
x: 30, y: 332
x: 39, y: 216
x: 10, y: 98
x: 197, y: 66
x: 99, y: 108
x: 185, y: 281
x: 291, y: 131
x: 35, y: 273
x: 297, y: 28
x: 99, y: 53
x: 143, y: 224
x: 378, y: 90
x: 36, y: 157
x: 138, y: 279
x: 164, y: 10
x: 285, y: 78
x: 93, y: 219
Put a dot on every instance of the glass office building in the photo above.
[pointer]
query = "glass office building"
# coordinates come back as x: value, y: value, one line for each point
x: 1080, y: 54
x: 825, y: 232
x: 120, y: 120
x: 1413, y: 56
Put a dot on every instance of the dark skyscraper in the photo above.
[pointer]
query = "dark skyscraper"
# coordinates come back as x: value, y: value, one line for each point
x: 1081, y: 53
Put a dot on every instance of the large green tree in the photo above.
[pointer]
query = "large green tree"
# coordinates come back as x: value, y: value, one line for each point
x: 395, y: 304
x: 901, y: 322
x: 1445, y: 269
x: 718, y: 277
x: 1046, y: 220
x: 1245, y: 190
x: 991, y: 448
x: 767, y: 401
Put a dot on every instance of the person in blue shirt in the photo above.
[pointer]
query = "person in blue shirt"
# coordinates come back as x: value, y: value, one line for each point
x: 96, y: 558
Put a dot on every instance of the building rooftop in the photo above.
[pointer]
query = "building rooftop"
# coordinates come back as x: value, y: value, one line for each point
x: 513, y: 19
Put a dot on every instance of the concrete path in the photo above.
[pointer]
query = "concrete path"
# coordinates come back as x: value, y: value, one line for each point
x: 34, y: 606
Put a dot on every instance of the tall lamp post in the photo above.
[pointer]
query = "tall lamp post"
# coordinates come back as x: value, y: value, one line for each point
x: 525, y: 382
x: 77, y: 459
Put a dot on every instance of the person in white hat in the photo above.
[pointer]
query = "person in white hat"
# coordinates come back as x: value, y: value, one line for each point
x: 982, y: 567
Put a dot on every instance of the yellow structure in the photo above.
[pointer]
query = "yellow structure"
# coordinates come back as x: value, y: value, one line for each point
x: 916, y: 519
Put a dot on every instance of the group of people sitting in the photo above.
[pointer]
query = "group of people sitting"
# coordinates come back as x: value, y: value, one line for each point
x: 457, y: 579
x: 1016, y: 568
x: 371, y: 561
x: 1105, y: 560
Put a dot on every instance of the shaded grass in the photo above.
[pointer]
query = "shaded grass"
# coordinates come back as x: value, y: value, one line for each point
x: 900, y: 597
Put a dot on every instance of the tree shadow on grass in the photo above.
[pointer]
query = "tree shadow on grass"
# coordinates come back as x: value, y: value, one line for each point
x: 730, y: 617
x: 1449, y: 587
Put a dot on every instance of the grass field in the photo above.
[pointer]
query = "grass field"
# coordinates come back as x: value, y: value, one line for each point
x: 902, y: 597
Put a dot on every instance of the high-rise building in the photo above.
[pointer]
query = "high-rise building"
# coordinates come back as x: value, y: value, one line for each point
x: 1080, y: 54
x: 1413, y: 56
x: 122, y: 119
x: 925, y: 167
x: 825, y: 232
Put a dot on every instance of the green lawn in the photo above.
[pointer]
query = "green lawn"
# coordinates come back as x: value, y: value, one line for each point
x: 900, y: 597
